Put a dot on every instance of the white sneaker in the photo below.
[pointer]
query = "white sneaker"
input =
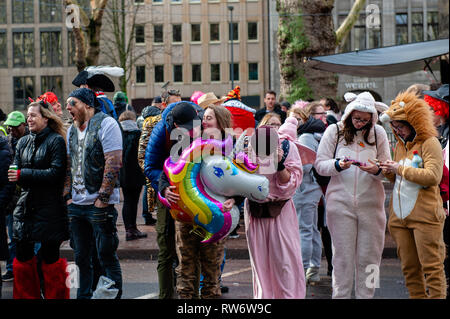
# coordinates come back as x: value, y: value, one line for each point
x: 312, y: 275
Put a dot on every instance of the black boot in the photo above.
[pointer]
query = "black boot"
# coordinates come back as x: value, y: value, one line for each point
x: 133, y: 233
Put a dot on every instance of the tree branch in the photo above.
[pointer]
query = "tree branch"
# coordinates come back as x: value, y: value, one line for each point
x: 349, y: 21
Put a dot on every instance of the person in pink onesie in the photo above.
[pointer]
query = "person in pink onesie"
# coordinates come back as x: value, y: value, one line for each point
x: 355, y: 195
x: 272, y: 226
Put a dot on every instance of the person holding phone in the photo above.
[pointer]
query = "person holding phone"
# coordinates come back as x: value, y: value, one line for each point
x: 355, y: 195
x: 416, y: 217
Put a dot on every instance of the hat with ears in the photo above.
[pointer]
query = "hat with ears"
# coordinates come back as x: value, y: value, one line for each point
x: 363, y: 102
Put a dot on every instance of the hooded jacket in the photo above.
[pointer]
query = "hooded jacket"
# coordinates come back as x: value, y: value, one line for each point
x: 159, y: 144
x: 416, y: 190
x: 354, y: 187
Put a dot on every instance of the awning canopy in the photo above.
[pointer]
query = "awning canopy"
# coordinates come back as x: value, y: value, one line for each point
x: 383, y: 62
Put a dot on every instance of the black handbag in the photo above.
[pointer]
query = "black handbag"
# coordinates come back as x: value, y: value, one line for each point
x: 267, y: 209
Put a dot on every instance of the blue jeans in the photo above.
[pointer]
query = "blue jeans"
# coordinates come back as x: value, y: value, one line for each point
x: 311, y: 242
x: 91, y: 226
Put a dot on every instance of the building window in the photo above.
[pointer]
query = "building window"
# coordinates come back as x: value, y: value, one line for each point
x: 416, y: 27
x: 252, y: 30
x: 23, y: 49
x: 157, y: 1
x: 139, y: 33
x: 178, y: 73
x: 359, y: 33
x: 24, y: 88
x: 158, y: 33
x: 215, y: 72
x: 196, y: 72
x: 195, y: 33
x: 401, y: 28
x: 159, y: 73
x: 3, y: 12
x: 235, y: 67
x: 432, y: 25
x: 51, y: 49
x: 50, y: 11
x: 23, y: 11
x: 253, y: 72
x: 3, y: 49
x: 176, y: 32
x: 52, y: 84
x: 140, y: 73
x: 214, y: 32
x: 235, y: 27
x: 138, y: 1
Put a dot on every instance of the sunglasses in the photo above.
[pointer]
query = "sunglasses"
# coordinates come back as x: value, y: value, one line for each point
x: 72, y: 103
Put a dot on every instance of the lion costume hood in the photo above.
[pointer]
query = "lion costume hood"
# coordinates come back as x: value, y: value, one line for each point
x: 410, y: 108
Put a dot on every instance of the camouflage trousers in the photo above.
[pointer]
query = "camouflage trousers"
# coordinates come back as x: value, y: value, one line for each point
x: 151, y: 196
x: 195, y: 257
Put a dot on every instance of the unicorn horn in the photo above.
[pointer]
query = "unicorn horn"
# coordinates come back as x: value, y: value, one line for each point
x: 239, y: 146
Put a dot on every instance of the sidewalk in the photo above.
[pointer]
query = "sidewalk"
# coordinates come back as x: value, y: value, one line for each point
x: 147, y: 248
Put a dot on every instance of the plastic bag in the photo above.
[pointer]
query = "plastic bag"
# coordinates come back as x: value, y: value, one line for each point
x: 104, y: 290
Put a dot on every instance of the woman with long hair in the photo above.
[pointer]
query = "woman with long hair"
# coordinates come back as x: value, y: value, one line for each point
x: 41, y: 213
x: 348, y: 152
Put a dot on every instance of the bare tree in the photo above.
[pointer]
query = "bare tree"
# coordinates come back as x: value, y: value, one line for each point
x: 305, y: 30
x: 119, y: 46
x: 87, y: 32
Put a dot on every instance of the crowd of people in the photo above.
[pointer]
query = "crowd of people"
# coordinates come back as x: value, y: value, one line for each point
x: 62, y: 175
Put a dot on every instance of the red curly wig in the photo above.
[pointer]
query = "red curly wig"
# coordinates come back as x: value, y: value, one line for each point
x: 440, y: 107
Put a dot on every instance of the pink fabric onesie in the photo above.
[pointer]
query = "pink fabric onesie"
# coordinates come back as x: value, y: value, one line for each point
x: 274, y: 243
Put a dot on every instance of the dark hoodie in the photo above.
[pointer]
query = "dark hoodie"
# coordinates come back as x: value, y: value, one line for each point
x: 312, y: 126
x: 150, y: 110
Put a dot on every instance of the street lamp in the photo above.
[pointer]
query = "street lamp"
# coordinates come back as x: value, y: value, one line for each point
x: 232, y: 37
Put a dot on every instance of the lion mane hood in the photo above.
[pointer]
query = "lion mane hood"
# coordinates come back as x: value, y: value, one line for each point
x: 410, y: 108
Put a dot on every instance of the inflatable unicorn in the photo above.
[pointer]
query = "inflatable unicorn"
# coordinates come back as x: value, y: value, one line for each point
x: 206, y: 174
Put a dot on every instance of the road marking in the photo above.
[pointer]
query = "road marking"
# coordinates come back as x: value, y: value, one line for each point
x: 227, y: 274
x: 148, y: 296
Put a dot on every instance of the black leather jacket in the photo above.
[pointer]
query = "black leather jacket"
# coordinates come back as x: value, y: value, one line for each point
x: 41, y: 213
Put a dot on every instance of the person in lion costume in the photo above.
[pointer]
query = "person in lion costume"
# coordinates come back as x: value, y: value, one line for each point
x: 416, y: 218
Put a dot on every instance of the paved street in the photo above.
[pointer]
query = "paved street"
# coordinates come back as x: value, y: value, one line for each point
x: 141, y: 282
x: 139, y: 261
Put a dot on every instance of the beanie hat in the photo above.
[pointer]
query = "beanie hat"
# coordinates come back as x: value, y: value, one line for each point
x: 86, y: 96
x: 195, y: 96
x: 234, y: 94
x: 120, y: 97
